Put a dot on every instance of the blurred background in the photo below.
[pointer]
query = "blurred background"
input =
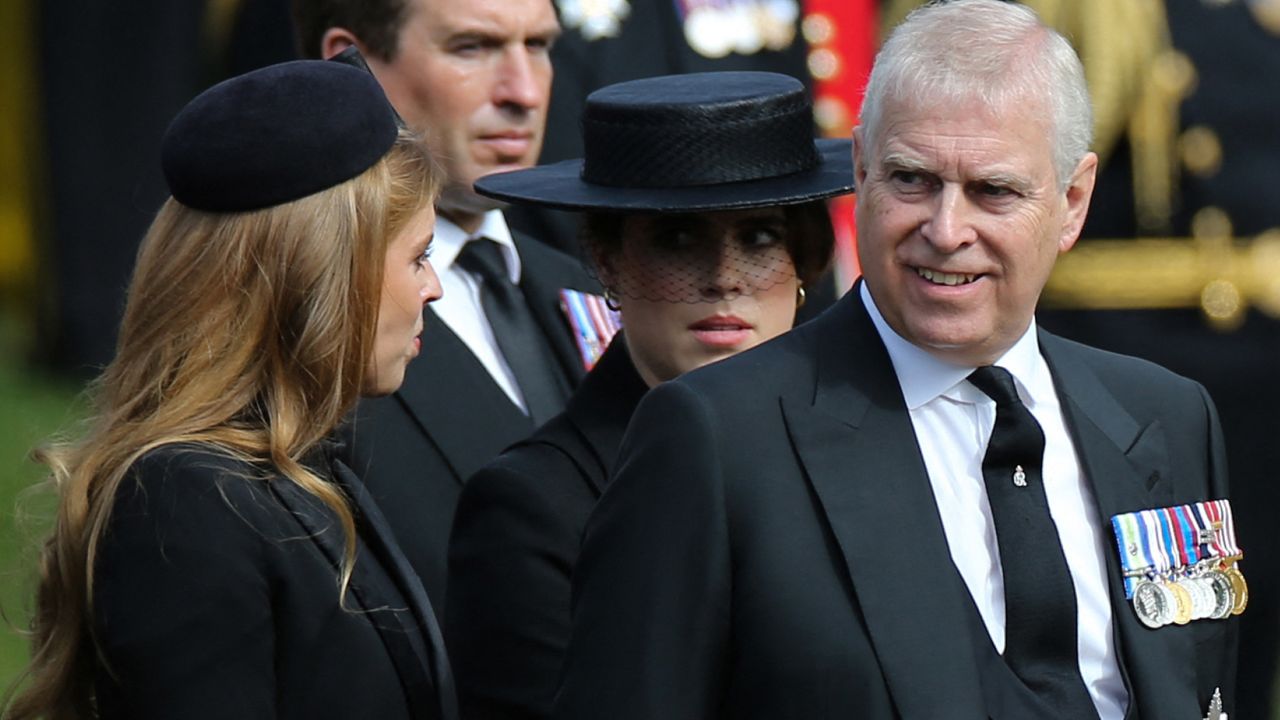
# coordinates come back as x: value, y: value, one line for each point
x: 1181, y: 262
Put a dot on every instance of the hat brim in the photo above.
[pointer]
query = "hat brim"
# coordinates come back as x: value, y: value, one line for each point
x: 561, y: 186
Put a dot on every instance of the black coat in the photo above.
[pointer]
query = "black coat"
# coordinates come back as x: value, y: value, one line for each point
x: 414, y: 449
x: 515, y: 542
x: 216, y: 596
x: 770, y: 545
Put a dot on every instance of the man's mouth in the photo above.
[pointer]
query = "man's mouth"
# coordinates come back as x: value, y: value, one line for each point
x: 943, y: 278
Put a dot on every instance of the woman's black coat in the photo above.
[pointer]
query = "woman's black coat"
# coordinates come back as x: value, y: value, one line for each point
x: 515, y: 542
x: 216, y: 596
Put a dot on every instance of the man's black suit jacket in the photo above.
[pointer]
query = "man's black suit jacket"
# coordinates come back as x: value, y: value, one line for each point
x: 770, y: 546
x: 415, y: 448
x: 515, y: 541
x: 216, y: 596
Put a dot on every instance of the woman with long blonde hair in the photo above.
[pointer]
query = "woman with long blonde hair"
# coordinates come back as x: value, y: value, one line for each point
x: 211, y: 557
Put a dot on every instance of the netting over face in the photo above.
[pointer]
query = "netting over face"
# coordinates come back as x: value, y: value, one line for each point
x: 694, y: 258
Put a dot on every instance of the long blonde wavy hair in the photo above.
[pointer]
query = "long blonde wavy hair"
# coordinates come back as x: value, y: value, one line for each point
x: 252, y: 332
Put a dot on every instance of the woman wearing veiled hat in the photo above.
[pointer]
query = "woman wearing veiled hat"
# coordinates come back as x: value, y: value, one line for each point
x: 210, y: 558
x: 704, y: 217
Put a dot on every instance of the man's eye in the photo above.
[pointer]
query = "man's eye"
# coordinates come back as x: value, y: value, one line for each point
x: 995, y: 191
x: 908, y: 178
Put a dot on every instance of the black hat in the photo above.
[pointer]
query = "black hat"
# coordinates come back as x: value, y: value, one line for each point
x: 275, y: 135
x: 687, y: 143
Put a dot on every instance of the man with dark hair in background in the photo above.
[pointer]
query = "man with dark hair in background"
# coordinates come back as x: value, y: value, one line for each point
x: 498, y: 354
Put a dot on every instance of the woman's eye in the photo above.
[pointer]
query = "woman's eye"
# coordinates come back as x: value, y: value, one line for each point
x: 676, y: 240
x: 760, y: 237
x: 425, y: 257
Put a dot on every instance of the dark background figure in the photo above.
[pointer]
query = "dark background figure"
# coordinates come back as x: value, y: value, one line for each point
x: 104, y: 107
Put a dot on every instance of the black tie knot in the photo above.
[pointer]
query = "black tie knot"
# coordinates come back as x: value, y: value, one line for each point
x: 483, y: 257
x: 997, y: 383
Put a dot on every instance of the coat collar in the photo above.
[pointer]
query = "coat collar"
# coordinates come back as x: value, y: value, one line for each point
x: 541, y: 285
x: 603, y: 406
x: 446, y: 377
x: 858, y: 448
x: 855, y: 439
x: 1126, y: 463
x: 413, y: 642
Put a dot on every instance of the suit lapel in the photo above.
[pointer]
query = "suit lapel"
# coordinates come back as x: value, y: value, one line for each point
x: 1126, y: 466
x: 858, y: 448
x: 368, y: 592
x: 543, y: 297
x: 431, y: 656
x: 448, y: 375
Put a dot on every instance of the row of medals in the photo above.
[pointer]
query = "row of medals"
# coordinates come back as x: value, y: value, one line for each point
x: 1213, y: 589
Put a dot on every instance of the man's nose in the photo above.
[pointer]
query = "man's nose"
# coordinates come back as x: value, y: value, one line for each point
x: 520, y: 82
x: 949, y: 225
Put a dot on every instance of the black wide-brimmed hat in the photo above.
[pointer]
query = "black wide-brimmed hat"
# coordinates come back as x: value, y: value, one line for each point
x: 689, y: 143
x: 275, y: 135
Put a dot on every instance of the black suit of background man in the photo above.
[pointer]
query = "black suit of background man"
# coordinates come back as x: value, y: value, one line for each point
x: 415, y: 448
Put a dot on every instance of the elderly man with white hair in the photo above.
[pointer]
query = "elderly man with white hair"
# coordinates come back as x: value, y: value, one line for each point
x: 921, y: 505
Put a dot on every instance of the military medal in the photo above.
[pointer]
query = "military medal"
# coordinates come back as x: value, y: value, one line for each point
x: 715, y: 28
x: 1215, y: 706
x: 595, y: 19
x: 1179, y: 563
x: 594, y: 323
x: 1153, y: 603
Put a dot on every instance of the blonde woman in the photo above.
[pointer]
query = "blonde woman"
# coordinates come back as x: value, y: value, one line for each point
x: 210, y: 556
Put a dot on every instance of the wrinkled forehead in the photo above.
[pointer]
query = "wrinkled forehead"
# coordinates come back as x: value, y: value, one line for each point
x: 1025, y: 117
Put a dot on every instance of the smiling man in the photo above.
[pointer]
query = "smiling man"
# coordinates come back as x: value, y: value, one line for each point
x: 904, y: 508
x: 498, y: 356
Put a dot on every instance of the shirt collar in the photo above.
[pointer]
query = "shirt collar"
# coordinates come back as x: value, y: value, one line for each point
x: 924, y: 378
x: 450, y: 238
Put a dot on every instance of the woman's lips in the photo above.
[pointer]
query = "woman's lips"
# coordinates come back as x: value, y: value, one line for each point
x: 722, y: 331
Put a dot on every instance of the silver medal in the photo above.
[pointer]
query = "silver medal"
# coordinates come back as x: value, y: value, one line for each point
x: 1153, y: 604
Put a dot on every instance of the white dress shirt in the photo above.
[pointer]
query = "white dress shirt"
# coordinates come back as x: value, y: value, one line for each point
x: 953, y: 420
x: 460, y: 306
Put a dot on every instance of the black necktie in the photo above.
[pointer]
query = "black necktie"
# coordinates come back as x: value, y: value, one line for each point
x: 515, y: 330
x: 1039, y: 597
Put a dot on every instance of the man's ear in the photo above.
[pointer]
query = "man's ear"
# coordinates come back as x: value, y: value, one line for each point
x: 1079, y: 193
x: 859, y: 157
x: 337, y: 39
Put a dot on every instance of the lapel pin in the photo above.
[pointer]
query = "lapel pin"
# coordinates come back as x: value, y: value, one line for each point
x: 1019, y: 477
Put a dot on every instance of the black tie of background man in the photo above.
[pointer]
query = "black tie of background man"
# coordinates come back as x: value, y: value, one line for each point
x: 1039, y: 597
x: 515, y: 330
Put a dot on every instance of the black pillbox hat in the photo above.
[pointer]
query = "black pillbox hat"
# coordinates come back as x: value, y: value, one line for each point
x: 275, y: 135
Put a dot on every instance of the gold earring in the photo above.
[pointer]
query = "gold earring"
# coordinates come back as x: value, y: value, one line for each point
x: 800, y: 296
x: 611, y: 300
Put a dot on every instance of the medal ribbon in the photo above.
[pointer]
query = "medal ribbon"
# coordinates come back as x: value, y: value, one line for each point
x: 1137, y: 563
x: 1188, y: 552
x: 1223, y: 508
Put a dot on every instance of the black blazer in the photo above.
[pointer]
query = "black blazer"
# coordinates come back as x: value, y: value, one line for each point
x: 415, y: 448
x: 515, y: 541
x: 216, y: 596
x: 770, y: 546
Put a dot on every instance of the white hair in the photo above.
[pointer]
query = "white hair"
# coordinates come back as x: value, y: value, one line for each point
x: 993, y: 51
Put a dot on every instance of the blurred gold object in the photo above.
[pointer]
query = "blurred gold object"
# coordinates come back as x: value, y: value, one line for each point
x: 1201, y: 151
x: 1221, y: 275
